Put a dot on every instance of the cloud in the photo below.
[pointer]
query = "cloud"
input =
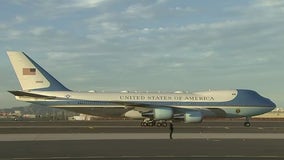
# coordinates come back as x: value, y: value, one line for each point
x: 19, y: 19
x: 152, y: 44
x: 268, y: 4
x: 39, y: 31
x: 50, y: 10
x: 109, y: 32
x: 229, y: 38
x: 71, y: 4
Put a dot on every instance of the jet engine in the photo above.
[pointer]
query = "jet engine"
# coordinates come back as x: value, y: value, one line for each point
x: 192, y: 116
x: 159, y: 113
x: 133, y: 114
x: 163, y: 113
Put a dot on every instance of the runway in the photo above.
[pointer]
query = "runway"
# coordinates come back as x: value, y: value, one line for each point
x: 119, y: 139
x: 132, y: 126
x: 144, y: 149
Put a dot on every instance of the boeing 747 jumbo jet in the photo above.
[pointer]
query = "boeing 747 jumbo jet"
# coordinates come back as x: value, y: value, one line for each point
x: 39, y: 87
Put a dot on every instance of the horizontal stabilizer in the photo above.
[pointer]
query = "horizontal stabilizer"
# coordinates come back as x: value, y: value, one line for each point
x: 21, y: 93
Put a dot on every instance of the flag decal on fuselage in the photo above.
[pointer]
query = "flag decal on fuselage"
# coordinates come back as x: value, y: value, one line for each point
x: 29, y: 71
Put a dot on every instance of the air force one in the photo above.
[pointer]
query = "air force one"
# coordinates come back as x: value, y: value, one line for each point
x: 39, y: 87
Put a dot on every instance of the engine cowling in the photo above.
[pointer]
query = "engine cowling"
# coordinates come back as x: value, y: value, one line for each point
x: 133, y: 114
x: 193, y: 116
x: 163, y: 113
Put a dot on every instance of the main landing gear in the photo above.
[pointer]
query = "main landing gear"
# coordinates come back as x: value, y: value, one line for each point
x: 247, y: 123
x: 151, y: 123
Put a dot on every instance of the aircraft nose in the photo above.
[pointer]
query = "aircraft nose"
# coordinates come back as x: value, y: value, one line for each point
x: 271, y: 104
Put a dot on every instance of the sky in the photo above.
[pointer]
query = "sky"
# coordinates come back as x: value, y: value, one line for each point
x: 147, y: 45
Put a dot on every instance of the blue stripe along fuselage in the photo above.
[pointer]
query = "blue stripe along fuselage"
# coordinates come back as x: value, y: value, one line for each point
x: 54, y: 84
x: 244, y: 98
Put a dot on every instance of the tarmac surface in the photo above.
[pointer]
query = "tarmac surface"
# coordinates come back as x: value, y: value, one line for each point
x: 124, y: 139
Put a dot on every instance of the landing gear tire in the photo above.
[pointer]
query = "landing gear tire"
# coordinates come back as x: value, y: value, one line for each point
x: 247, y: 124
x: 159, y: 124
x: 148, y: 123
x: 162, y: 124
x: 143, y: 124
x: 151, y: 123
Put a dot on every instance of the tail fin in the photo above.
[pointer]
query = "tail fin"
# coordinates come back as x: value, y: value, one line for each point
x: 31, y: 75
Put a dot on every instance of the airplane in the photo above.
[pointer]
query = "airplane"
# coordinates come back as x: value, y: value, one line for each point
x: 156, y: 109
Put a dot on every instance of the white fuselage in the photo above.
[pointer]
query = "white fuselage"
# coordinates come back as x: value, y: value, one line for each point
x: 211, y: 103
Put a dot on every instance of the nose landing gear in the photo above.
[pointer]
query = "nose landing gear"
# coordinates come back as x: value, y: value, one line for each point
x: 247, y: 123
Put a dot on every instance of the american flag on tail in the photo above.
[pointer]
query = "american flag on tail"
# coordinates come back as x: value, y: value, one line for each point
x: 29, y: 71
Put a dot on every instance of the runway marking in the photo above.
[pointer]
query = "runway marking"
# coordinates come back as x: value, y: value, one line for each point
x: 138, y: 127
x: 127, y: 136
x: 146, y: 157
